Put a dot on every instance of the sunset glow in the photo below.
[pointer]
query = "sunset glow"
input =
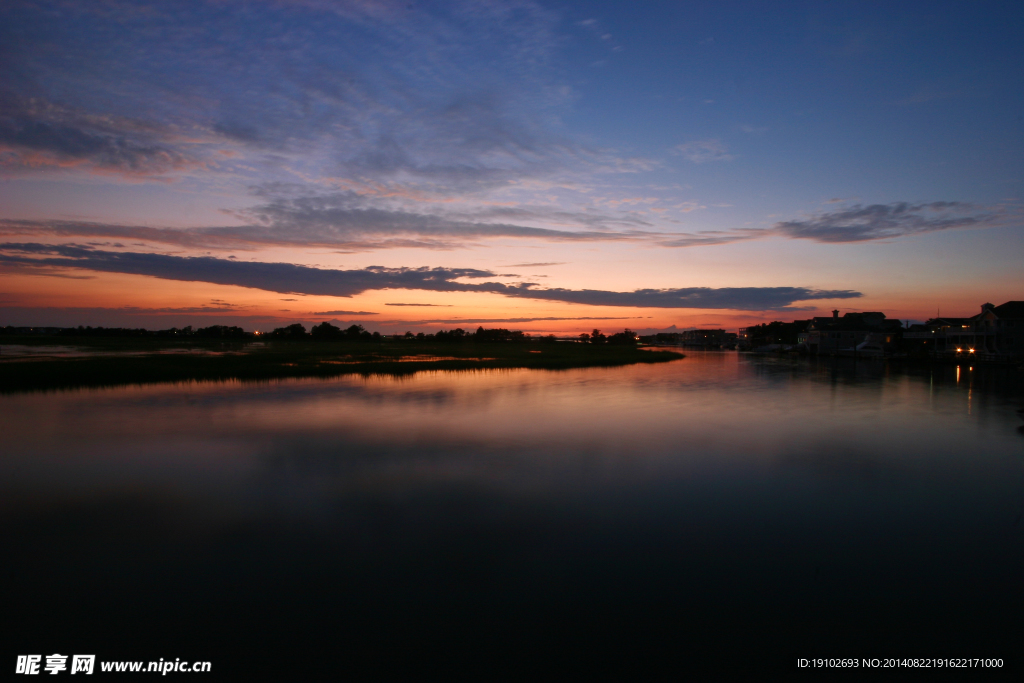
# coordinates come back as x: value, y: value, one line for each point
x: 550, y: 167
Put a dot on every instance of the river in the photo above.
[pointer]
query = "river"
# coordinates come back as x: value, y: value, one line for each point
x: 724, y: 511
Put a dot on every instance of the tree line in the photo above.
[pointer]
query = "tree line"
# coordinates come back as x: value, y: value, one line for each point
x: 323, y: 332
x: 213, y: 331
x: 627, y: 336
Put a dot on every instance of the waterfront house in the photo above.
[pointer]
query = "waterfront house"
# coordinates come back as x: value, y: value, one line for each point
x: 934, y: 335
x: 835, y: 335
x: 996, y: 330
x: 704, y: 338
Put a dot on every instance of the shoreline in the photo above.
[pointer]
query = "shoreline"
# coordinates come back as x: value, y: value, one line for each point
x: 109, y: 364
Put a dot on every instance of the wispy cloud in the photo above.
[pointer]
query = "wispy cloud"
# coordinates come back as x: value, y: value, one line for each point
x: 344, y: 313
x: 346, y: 221
x: 602, y: 34
x: 335, y: 223
x: 857, y: 223
x: 455, y: 97
x: 290, y: 278
x: 181, y: 309
x: 136, y: 316
x: 883, y: 221
x: 481, y: 321
x: 35, y: 133
x: 710, y: 238
x: 731, y: 298
x: 348, y: 218
x: 922, y: 95
x: 703, y: 151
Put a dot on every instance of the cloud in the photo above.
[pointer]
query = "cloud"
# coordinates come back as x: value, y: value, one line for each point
x: 731, y: 298
x: 284, y: 278
x: 928, y: 95
x: 43, y: 271
x: 424, y: 305
x: 206, y: 238
x: 132, y: 316
x: 342, y: 223
x: 883, y: 221
x: 856, y: 224
x: 343, y: 313
x: 708, y: 238
x: 537, y: 265
x: 37, y: 133
x: 458, y: 96
x: 703, y: 151
x: 349, y: 222
x: 405, y: 107
x: 288, y: 278
x: 181, y: 309
x: 476, y: 321
x: 350, y: 219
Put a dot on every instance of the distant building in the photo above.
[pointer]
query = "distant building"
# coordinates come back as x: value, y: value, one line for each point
x: 743, y: 337
x: 996, y: 330
x: 703, y: 338
x: 33, y: 330
x: 771, y: 334
x: 833, y: 335
x: 933, y: 335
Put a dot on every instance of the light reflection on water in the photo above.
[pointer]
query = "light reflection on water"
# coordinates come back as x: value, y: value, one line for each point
x: 780, y: 501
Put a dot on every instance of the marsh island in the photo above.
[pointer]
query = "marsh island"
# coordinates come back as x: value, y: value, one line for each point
x: 45, y: 362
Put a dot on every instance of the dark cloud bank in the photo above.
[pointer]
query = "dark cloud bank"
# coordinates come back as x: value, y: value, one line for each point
x: 295, y: 279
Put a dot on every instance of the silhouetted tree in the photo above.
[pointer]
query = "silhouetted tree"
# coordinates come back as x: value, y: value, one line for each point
x: 776, y: 332
x: 221, y: 331
x: 325, y: 330
x: 456, y: 335
x: 626, y: 337
x: 357, y: 333
x: 499, y: 334
x: 295, y: 331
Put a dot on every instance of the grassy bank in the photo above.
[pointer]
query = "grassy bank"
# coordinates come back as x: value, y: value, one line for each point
x: 116, y: 362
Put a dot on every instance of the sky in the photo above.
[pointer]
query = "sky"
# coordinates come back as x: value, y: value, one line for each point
x: 552, y: 167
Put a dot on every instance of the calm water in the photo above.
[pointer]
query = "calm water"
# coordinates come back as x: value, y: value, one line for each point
x: 723, y: 510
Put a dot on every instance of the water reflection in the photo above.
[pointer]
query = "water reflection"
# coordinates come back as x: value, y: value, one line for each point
x: 763, y: 504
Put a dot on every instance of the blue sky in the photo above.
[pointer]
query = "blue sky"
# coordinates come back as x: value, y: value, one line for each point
x: 661, y: 164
